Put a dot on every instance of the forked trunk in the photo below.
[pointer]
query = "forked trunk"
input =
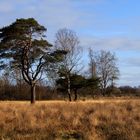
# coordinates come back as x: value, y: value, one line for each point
x: 33, y: 94
x: 75, y: 94
x: 69, y: 97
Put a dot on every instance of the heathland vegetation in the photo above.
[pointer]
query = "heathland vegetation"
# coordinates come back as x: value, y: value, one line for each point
x: 62, y: 120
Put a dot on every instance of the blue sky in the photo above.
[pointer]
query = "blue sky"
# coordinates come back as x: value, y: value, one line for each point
x: 101, y: 24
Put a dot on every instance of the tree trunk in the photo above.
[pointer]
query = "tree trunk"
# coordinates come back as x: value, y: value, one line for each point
x: 75, y: 93
x: 69, y: 97
x: 33, y: 94
x: 69, y: 91
x: 104, y: 91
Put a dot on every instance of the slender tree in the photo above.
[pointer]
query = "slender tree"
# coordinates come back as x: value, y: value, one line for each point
x: 24, y: 46
x: 67, y: 40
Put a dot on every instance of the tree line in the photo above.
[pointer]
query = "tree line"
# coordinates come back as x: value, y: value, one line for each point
x: 28, y: 58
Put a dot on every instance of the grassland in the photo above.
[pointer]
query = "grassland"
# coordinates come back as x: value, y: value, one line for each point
x: 61, y: 120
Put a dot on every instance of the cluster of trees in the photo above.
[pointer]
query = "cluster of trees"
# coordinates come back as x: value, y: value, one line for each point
x: 29, y: 59
x: 21, y: 91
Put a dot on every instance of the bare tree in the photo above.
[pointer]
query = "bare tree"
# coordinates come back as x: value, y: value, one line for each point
x: 105, y: 68
x: 67, y: 40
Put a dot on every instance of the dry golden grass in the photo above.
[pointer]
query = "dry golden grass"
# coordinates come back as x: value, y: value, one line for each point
x: 62, y: 120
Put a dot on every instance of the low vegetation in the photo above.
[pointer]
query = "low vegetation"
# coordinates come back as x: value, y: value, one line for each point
x: 61, y: 120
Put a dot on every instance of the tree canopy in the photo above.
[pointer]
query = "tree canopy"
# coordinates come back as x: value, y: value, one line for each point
x: 103, y: 65
x: 24, y: 46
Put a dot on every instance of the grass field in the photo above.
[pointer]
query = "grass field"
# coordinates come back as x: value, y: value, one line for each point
x: 108, y: 119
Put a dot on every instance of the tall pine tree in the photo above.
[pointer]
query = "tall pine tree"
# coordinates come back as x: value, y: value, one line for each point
x: 24, y: 46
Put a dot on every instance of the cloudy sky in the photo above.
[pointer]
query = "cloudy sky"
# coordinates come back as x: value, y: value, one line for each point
x: 101, y: 24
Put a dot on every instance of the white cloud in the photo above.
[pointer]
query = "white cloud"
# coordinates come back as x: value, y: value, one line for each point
x: 133, y: 61
x: 53, y: 14
x: 130, y: 78
x: 112, y: 43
